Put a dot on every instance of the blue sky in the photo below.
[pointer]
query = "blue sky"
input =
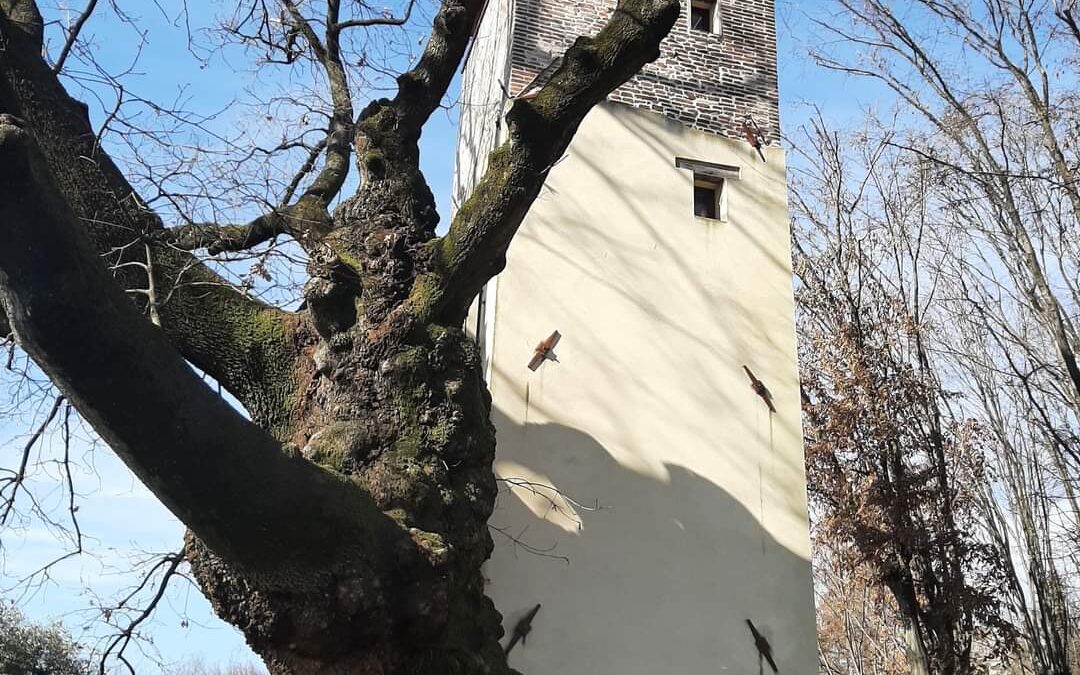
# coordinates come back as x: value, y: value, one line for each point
x: 121, y: 519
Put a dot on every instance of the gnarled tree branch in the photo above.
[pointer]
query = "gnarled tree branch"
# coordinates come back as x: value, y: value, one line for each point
x: 540, y: 128
x: 394, y: 196
x: 229, y: 481
x: 327, y: 51
x: 422, y: 88
x: 212, y: 323
x: 217, y: 238
x: 391, y: 128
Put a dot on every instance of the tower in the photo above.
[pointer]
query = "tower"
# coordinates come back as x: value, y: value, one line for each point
x: 653, y: 495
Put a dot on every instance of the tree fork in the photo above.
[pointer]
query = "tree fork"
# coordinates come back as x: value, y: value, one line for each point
x: 357, y: 547
x: 293, y: 533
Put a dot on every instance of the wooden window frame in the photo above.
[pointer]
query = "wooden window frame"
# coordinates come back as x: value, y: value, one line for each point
x: 713, y: 9
x: 717, y: 177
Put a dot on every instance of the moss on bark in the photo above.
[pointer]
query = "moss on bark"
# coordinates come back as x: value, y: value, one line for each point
x: 353, y: 543
x: 242, y: 343
x: 410, y: 429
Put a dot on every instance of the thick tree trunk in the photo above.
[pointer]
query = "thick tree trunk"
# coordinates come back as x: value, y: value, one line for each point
x: 396, y: 404
x: 344, y: 530
x: 361, y: 557
x: 406, y: 418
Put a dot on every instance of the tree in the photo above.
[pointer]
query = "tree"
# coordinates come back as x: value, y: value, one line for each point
x: 983, y: 197
x: 29, y: 649
x: 856, y: 619
x: 895, y: 473
x: 197, y: 667
x: 342, y: 527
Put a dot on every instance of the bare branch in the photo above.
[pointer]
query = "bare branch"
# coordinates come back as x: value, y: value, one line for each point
x: 14, y: 483
x: 379, y: 20
x: 73, y: 35
x: 540, y: 128
x: 129, y: 383
x: 327, y: 50
x: 217, y: 238
x: 205, y: 317
x: 421, y: 89
x: 1067, y: 17
x: 119, y: 643
x: 518, y: 540
x: 70, y: 483
x: 303, y: 171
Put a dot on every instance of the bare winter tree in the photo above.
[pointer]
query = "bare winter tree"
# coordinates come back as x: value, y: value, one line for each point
x: 984, y: 145
x: 856, y: 618
x: 894, y: 471
x: 342, y: 527
x: 1001, y: 134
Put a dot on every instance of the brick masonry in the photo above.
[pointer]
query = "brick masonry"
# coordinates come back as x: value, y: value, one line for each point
x: 709, y: 82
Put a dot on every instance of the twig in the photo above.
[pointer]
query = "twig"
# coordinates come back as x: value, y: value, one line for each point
x: 120, y: 642
x: 529, y: 548
x: 73, y: 35
x: 72, y: 508
x: 16, y: 481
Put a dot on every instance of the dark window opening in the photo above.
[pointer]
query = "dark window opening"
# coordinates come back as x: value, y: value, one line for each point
x: 703, y: 16
x: 707, y: 199
x: 710, y: 185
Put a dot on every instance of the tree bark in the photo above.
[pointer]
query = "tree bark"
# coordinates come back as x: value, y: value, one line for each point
x: 344, y: 530
x: 327, y: 568
x: 918, y: 659
x: 247, y: 346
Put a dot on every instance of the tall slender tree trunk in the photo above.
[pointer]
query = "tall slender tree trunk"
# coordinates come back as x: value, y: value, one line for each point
x: 915, y: 650
x: 918, y: 658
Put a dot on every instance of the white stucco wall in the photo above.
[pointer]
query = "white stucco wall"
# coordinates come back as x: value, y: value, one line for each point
x: 484, y: 81
x: 647, y: 413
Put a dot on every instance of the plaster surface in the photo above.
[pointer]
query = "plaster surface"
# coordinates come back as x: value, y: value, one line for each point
x: 651, y: 502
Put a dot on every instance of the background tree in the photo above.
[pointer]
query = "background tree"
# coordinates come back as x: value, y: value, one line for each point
x: 896, y: 475
x: 341, y: 524
x: 197, y: 667
x: 856, y: 617
x: 29, y: 649
x: 966, y: 203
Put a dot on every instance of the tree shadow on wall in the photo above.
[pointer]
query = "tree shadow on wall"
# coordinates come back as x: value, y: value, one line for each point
x: 637, y: 574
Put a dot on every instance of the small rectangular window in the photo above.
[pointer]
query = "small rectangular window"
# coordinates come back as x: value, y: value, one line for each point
x: 711, y: 182
x: 707, y: 198
x: 704, y: 16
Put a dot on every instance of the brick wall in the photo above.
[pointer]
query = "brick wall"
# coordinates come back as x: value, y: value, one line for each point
x: 707, y: 81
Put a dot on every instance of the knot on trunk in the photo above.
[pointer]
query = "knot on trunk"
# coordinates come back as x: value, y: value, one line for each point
x: 341, y: 613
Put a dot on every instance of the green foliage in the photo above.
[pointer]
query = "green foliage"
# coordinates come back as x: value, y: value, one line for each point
x: 30, y: 649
